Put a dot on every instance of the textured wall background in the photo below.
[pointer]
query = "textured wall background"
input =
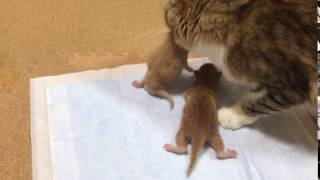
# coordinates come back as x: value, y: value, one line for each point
x: 49, y: 37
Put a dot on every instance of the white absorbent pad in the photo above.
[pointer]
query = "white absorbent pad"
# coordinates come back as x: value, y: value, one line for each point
x: 95, y: 126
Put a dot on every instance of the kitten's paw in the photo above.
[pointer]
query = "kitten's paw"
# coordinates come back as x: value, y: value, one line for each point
x: 137, y: 84
x: 233, y: 118
x: 168, y: 147
x: 227, y: 154
x: 174, y: 149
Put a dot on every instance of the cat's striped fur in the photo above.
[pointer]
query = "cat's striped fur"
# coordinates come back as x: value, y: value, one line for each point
x: 268, y: 45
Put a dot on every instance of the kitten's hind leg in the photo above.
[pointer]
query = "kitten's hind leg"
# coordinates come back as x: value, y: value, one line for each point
x: 217, y: 143
x: 164, y: 94
x: 181, y: 147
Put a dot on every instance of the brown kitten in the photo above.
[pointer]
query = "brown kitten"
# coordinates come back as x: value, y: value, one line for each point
x: 164, y: 66
x: 267, y: 45
x: 199, y: 123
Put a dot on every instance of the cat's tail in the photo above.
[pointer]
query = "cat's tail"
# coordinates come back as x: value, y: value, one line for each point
x: 197, y: 144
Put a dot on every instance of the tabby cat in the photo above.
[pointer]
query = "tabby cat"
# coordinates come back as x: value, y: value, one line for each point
x: 267, y: 45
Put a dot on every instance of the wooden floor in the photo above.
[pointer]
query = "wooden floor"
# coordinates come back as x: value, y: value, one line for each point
x: 47, y: 37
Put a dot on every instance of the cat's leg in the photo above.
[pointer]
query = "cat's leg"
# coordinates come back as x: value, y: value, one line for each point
x: 251, y: 106
x: 234, y: 117
x: 188, y: 68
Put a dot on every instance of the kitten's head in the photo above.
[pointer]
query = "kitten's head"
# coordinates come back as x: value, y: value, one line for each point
x: 208, y: 74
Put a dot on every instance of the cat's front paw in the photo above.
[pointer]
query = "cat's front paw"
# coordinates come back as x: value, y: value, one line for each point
x: 233, y: 118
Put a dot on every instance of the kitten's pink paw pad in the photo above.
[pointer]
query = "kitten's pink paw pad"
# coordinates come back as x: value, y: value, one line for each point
x: 168, y: 147
x: 232, y: 153
x: 174, y: 149
x: 227, y: 154
x: 137, y: 84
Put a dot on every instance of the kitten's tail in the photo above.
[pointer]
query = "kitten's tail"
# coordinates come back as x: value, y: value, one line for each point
x: 197, y: 143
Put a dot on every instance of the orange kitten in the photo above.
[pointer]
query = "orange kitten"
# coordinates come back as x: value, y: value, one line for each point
x: 164, y: 66
x: 199, y: 123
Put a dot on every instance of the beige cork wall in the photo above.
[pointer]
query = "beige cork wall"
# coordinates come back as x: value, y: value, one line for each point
x: 50, y: 37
